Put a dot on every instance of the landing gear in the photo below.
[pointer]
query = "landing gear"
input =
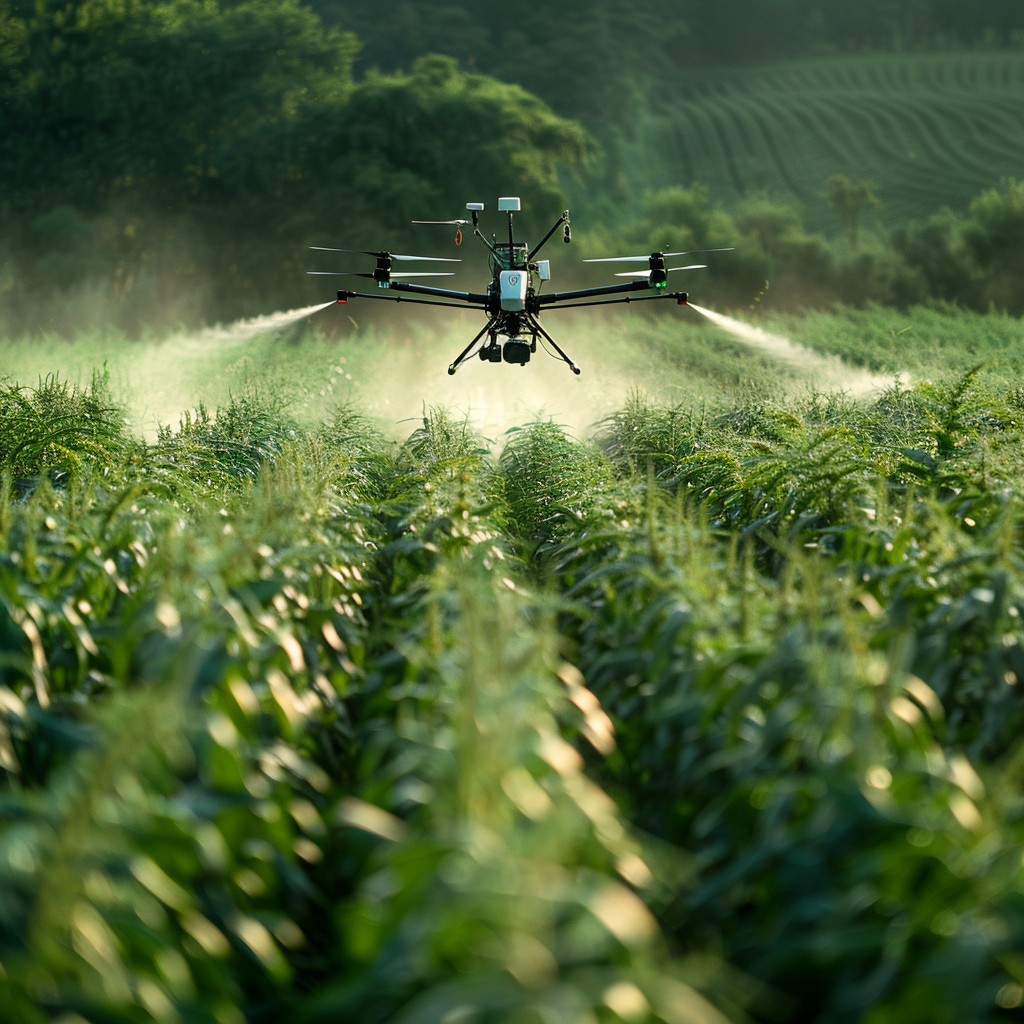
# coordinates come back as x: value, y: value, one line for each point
x: 521, y: 332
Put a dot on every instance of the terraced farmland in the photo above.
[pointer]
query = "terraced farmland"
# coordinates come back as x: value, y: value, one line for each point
x: 928, y: 129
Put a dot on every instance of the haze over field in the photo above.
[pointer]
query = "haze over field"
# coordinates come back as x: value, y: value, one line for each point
x: 688, y: 690
x: 882, y: 173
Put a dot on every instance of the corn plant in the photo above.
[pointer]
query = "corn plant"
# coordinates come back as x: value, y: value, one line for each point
x: 711, y: 718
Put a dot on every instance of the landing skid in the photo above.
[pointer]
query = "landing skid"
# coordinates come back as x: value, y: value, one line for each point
x: 516, y: 349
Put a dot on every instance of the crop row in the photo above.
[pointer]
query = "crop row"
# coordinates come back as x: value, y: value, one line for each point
x: 281, y: 738
x: 994, y: 71
x: 929, y: 130
x: 704, y: 717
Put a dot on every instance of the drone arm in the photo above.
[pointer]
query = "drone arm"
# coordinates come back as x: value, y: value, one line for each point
x: 587, y: 293
x: 564, y: 219
x: 474, y: 298
x: 681, y: 298
x: 389, y: 296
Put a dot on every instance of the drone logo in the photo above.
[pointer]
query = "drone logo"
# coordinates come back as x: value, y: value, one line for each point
x: 513, y: 299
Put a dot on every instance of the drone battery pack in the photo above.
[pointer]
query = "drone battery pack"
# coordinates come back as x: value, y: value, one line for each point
x: 513, y: 290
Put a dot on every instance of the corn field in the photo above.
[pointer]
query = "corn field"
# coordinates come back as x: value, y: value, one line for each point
x: 705, y: 717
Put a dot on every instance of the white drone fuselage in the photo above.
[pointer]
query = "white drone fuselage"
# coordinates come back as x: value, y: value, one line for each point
x: 512, y: 301
x: 513, y: 285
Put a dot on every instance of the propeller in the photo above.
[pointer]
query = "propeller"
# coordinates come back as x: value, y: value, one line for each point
x: 388, y: 255
x: 372, y: 276
x: 654, y: 255
x: 647, y: 273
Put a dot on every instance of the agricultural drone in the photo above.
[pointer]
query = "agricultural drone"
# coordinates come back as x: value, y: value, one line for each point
x: 513, y: 300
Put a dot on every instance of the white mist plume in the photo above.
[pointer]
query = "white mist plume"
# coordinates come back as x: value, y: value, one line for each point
x: 492, y: 398
x: 404, y: 377
x: 243, y: 330
x: 824, y: 370
x: 166, y: 378
x: 394, y: 376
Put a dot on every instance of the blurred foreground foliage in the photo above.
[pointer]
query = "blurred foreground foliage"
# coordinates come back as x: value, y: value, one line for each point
x: 710, y: 718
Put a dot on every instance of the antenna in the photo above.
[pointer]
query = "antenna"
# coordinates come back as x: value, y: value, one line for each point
x: 510, y: 204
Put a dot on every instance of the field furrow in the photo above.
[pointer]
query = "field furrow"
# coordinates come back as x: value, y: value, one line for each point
x: 706, y: 145
x: 930, y: 130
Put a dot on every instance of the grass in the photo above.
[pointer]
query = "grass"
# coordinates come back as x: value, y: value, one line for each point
x: 711, y: 714
x: 920, y: 342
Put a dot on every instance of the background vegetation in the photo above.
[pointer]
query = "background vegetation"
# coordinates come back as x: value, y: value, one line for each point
x: 172, y: 161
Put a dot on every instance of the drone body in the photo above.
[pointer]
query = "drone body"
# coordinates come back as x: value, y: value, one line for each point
x: 513, y: 300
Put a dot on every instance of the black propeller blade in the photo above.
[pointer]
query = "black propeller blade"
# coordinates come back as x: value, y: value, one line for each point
x: 388, y: 255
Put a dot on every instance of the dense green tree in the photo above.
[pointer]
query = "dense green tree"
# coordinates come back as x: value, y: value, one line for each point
x: 684, y: 217
x: 771, y: 221
x: 202, y: 146
x: 994, y: 238
x: 579, y: 57
x: 436, y: 136
x: 174, y: 101
x: 971, y: 257
x: 586, y: 61
x: 147, y: 139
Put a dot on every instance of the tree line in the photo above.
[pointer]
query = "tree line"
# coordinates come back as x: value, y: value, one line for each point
x: 183, y: 148
x: 968, y: 258
x: 176, y: 157
x: 586, y: 58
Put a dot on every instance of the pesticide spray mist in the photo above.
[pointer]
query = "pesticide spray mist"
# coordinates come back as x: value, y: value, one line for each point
x: 166, y: 378
x: 395, y: 378
x: 823, y: 370
x: 403, y: 380
x: 243, y: 330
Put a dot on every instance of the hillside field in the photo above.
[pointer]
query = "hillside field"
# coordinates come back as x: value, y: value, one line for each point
x: 321, y: 700
x: 930, y: 130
